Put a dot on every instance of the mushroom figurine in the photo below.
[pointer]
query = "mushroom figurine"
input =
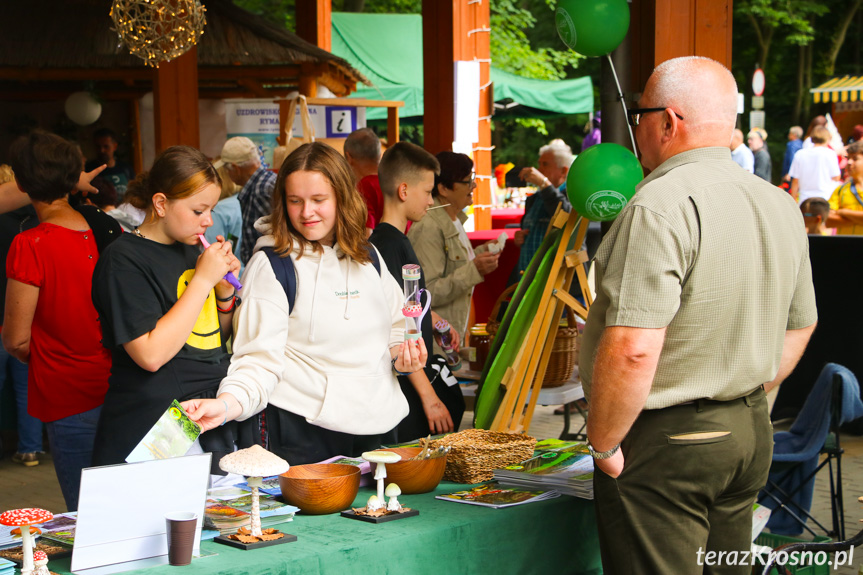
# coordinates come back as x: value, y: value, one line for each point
x: 254, y: 463
x: 374, y: 503
x: 381, y: 458
x: 24, y: 518
x: 393, y: 491
x: 40, y: 558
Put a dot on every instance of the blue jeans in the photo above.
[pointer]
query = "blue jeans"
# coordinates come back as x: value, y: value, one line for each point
x: 71, y: 441
x: 29, y: 428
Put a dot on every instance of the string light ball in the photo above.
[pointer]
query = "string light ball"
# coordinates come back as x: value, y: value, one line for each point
x: 158, y: 30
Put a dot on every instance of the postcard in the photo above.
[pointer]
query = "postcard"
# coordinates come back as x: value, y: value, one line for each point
x: 172, y: 436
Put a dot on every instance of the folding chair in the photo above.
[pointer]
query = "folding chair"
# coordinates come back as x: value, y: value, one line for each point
x: 834, y: 400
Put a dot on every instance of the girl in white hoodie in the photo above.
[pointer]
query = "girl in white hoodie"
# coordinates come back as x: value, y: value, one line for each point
x: 323, y: 368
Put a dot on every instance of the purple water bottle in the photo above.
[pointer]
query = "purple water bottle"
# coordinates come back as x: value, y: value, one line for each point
x: 442, y: 336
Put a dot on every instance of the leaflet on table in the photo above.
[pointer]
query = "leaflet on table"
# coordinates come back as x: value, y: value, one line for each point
x: 269, y: 485
x: 222, y: 517
x: 172, y: 436
x: 495, y: 496
x: 9, y: 540
x: 553, y: 444
x: 550, y: 466
x: 61, y: 529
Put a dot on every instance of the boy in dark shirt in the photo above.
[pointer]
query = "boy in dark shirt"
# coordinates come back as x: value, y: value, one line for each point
x: 406, y: 176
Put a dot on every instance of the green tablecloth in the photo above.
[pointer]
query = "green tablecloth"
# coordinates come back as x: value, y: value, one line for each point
x: 555, y: 536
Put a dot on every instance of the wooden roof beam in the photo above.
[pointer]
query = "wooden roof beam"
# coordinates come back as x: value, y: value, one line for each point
x: 253, y: 86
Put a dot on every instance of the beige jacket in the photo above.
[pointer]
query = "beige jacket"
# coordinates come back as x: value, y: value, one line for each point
x: 449, y: 274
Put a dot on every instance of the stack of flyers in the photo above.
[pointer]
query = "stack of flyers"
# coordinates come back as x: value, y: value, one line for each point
x: 497, y: 496
x: 568, y: 469
x: 6, y: 567
x: 270, y: 486
x: 61, y: 529
x: 229, y: 515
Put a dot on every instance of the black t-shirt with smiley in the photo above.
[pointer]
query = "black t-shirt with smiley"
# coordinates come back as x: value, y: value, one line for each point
x: 135, y: 283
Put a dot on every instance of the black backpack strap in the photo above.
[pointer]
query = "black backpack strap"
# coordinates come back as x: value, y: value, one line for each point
x: 283, y: 267
x: 105, y: 228
x: 373, y: 253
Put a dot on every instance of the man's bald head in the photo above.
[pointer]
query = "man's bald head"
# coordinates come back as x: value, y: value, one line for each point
x: 702, y: 90
x: 699, y: 90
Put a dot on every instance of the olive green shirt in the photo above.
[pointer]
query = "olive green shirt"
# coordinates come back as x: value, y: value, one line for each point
x: 717, y: 256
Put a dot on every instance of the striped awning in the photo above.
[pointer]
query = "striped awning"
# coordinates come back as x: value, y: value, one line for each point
x: 844, y: 89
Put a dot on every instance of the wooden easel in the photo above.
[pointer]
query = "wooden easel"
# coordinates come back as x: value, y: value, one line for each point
x: 524, y: 377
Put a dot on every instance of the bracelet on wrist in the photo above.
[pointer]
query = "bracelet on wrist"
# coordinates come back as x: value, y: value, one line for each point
x: 229, y: 298
x: 235, y: 301
x: 393, y: 362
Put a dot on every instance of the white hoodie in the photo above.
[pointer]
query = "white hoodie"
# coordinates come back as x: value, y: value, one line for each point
x: 329, y: 360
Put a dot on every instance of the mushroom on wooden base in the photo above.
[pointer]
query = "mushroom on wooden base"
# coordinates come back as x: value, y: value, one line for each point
x: 381, y: 458
x: 24, y: 518
x: 255, y: 463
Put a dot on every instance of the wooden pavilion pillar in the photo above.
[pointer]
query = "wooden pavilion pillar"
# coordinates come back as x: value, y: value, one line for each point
x: 175, y: 102
x: 314, y: 22
x: 665, y: 29
x: 314, y: 25
x: 457, y: 30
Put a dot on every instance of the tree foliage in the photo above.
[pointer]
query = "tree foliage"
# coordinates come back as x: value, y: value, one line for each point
x: 523, y: 41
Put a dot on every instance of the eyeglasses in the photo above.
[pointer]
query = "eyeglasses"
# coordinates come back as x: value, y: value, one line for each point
x: 634, y: 114
x: 469, y: 182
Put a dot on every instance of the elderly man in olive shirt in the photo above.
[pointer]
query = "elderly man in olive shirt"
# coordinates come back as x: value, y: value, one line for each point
x: 704, y: 301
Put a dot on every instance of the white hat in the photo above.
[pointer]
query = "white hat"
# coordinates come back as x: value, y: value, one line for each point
x: 236, y: 151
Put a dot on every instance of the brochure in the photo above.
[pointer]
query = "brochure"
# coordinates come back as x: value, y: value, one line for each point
x: 496, y: 496
x: 171, y: 436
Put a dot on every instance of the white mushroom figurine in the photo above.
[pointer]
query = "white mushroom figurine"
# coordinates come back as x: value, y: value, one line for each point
x: 40, y: 558
x: 374, y: 503
x: 393, y: 491
x: 381, y: 458
x: 254, y: 463
x: 24, y: 518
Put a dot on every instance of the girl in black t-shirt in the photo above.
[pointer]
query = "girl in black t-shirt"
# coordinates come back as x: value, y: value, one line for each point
x: 164, y: 306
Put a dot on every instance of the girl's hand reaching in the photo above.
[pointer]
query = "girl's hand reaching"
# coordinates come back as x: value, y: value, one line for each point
x: 207, y: 413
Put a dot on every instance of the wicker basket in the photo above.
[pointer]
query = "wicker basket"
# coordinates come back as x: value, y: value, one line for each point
x: 564, y: 352
x: 476, y: 453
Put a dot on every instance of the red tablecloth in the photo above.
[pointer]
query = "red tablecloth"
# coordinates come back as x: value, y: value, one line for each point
x: 487, y: 292
x: 500, y: 217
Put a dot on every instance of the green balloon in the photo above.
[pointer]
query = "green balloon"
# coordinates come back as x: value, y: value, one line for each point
x: 601, y: 180
x: 592, y: 27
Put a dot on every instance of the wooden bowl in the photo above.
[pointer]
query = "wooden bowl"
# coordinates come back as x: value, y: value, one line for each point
x: 320, y: 488
x: 419, y: 476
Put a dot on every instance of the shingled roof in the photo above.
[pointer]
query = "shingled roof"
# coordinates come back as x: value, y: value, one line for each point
x: 42, y: 35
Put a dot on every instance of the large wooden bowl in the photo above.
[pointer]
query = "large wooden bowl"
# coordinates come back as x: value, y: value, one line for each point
x: 320, y: 488
x: 419, y: 476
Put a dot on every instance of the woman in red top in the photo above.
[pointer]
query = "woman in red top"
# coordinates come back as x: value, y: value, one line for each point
x: 50, y: 321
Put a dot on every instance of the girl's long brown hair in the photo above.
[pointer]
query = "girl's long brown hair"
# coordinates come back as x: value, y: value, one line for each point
x: 350, y: 229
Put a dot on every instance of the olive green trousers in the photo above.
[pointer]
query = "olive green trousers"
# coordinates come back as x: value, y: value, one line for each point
x: 683, y: 503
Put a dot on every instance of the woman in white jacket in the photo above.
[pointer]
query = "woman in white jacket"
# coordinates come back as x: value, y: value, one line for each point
x: 324, y: 368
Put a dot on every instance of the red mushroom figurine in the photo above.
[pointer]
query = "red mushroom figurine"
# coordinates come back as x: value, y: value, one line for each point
x: 40, y: 558
x: 25, y: 518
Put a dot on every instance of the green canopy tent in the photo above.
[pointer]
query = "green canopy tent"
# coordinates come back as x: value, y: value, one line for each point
x: 387, y: 49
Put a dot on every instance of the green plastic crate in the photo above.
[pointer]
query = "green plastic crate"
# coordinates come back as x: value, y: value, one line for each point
x: 772, y: 540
